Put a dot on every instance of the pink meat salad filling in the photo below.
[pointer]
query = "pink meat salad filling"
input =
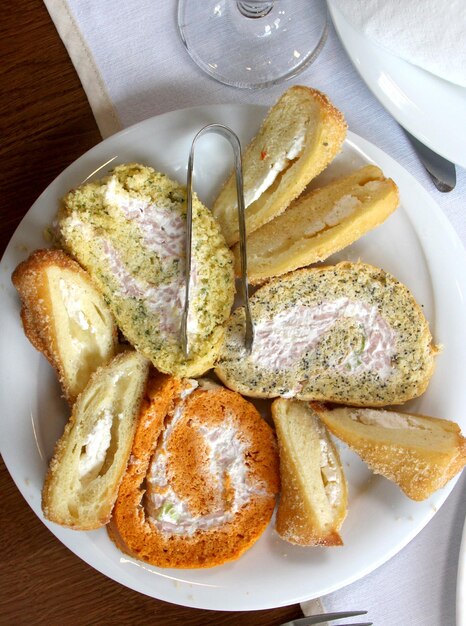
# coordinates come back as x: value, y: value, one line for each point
x: 282, y: 341
x: 163, y: 232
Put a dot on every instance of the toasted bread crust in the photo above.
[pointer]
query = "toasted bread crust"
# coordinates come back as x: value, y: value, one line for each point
x: 319, y: 223
x: 81, y: 497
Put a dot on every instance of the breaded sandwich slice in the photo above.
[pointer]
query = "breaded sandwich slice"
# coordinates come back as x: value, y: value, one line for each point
x: 65, y: 317
x: 91, y: 456
x: 202, y: 480
x: 320, y: 223
x: 349, y: 333
x: 300, y: 136
x: 419, y: 453
x: 314, y: 497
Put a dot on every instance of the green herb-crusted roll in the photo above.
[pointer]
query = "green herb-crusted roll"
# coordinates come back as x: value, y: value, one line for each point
x: 128, y: 230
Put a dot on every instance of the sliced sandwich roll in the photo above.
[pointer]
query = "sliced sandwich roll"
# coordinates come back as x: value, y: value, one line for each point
x: 129, y: 231
x: 202, y: 480
x: 314, y: 495
x: 91, y: 456
x: 65, y: 317
x: 349, y: 333
x: 419, y: 453
x: 300, y: 136
x: 320, y: 223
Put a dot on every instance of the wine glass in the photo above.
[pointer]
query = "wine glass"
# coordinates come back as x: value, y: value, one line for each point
x: 253, y: 43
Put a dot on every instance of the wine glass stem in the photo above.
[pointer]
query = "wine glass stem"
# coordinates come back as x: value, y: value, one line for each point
x: 254, y: 8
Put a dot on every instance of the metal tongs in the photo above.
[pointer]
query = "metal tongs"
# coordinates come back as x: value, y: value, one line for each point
x: 226, y: 132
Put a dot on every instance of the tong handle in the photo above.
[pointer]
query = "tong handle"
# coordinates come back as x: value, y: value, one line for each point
x: 228, y: 134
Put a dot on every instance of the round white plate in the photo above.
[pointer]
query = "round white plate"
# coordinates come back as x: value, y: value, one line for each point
x: 430, y: 108
x: 416, y: 244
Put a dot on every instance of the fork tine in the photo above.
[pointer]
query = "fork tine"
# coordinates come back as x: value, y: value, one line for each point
x: 326, y: 617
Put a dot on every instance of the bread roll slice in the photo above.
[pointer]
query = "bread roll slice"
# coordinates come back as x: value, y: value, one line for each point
x: 202, y: 480
x: 300, y: 136
x: 65, y: 317
x: 419, y: 453
x: 320, y: 223
x: 129, y: 231
x: 349, y: 333
x: 314, y: 495
x: 91, y: 456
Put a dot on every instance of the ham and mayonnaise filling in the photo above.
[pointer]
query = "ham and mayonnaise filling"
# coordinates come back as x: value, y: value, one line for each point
x: 168, y: 511
x: 163, y: 232
x: 282, y: 341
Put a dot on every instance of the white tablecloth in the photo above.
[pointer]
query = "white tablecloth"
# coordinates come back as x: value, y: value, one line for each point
x: 133, y: 65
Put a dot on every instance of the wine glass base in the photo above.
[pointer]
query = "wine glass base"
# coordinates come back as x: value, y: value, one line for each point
x: 253, y: 52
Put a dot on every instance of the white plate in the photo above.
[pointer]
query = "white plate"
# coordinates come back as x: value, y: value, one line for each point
x: 430, y: 108
x: 461, y: 583
x: 416, y: 244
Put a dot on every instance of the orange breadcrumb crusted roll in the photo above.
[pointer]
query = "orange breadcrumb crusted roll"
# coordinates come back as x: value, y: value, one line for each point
x: 202, y: 479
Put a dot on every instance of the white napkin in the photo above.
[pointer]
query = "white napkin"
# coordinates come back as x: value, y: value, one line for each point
x: 427, y: 33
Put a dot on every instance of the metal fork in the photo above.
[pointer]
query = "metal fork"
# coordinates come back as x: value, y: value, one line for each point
x: 228, y: 134
x: 328, y: 617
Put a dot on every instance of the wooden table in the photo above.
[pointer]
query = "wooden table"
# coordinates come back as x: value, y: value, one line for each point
x: 47, y: 123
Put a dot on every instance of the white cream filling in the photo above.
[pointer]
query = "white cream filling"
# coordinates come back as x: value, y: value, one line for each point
x: 71, y: 298
x: 280, y: 163
x: 168, y: 511
x: 330, y: 474
x: 95, y: 447
x: 343, y: 208
x: 282, y: 341
x: 386, y: 419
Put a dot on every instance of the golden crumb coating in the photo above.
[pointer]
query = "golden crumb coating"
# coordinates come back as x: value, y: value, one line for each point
x: 419, y: 453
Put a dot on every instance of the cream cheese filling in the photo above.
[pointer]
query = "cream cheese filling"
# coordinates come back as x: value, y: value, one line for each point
x: 280, y: 163
x: 164, y: 233
x: 71, y: 298
x: 95, y: 446
x: 330, y: 473
x: 386, y: 419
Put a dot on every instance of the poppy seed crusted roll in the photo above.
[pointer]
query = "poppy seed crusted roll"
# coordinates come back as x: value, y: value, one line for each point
x: 349, y: 333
